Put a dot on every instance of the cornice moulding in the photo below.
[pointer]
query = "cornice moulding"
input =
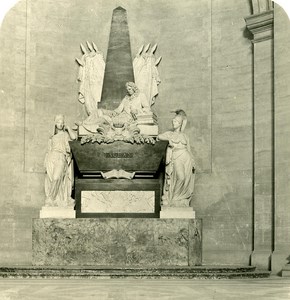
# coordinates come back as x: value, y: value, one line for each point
x: 261, y: 26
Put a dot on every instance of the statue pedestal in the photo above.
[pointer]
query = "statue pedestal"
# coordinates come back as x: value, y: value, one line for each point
x: 168, y: 212
x: 57, y: 212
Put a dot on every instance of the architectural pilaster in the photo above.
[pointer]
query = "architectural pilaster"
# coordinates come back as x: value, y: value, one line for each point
x: 261, y: 27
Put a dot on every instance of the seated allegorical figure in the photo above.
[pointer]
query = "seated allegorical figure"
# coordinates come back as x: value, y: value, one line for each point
x: 179, y: 170
x: 59, y: 167
x: 133, y: 104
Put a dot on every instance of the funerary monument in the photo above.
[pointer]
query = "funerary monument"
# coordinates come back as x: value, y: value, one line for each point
x: 131, y: 184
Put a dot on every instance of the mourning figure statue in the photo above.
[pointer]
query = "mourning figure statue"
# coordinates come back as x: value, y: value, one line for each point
x: 58, y: 165
x: 179, y: 170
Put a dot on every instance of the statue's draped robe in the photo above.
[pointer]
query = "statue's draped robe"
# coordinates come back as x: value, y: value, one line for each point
x: 179, y: 176
x: 91, y: 75
x: 59, y: 168
x: 146, y: 76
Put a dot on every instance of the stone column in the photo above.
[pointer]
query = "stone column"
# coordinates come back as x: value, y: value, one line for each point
x: 261, y: 27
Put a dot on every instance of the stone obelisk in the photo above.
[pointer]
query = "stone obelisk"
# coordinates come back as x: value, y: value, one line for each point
x: 119, y: 67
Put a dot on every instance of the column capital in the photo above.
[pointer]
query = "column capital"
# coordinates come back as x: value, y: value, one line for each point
x: 261, y: 26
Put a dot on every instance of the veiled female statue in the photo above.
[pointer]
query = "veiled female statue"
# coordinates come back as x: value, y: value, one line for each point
x: 58, y: 165
x: 179, y: 170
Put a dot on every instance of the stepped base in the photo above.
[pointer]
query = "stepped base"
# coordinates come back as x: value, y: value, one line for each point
x: 200, y: 272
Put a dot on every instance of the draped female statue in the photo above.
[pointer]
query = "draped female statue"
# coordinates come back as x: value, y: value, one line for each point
x: 179, y: 170
x: 58, y: 165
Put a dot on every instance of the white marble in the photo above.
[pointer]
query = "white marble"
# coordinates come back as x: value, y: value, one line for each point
x: 177, y: 213
x: 83, y: 131
x: 91, y: 76
x: 57, y: 212
x: 151, y: 130
x: 180, y: 164
x: 146, y: 73
x: 58, y: 165
x: 117, y: 201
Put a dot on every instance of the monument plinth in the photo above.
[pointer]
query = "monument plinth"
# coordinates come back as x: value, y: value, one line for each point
x: 117, y: 242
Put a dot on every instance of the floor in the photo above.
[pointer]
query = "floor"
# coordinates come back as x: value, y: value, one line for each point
x: 123, y: 289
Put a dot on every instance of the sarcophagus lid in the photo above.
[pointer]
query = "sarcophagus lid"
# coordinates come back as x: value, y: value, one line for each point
x: 93, y: 158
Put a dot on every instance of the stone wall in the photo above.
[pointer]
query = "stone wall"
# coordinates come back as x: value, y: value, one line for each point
x: 206, y: 69
x: 20, y: 191
x: 224, y: 196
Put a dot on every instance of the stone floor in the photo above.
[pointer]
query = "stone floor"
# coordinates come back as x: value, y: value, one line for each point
x: 273, y: 288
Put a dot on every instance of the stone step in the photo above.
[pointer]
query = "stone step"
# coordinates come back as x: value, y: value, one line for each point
x: 205, y: 272
x: 178, y: 269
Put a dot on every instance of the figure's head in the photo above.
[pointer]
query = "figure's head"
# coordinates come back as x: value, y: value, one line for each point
x: 179, y: 121
x: 131, y: 88
x: 59, y: 122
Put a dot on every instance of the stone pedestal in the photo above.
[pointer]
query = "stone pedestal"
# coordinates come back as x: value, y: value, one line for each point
x: 57, y: 212
x: 116, y: 242
x: 177, y: 212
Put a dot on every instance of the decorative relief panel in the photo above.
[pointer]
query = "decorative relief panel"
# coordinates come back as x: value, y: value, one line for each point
x: 117, y: 201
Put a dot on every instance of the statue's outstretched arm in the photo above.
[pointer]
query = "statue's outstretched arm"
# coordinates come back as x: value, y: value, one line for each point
x: 71, y: 133
x: 120, y: 108
x: 166, y: 136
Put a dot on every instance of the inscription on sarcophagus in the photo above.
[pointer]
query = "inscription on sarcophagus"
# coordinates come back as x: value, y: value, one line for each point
x: 118, y: 155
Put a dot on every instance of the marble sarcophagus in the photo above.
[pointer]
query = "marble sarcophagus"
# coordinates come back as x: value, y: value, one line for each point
x: 118, y: 179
